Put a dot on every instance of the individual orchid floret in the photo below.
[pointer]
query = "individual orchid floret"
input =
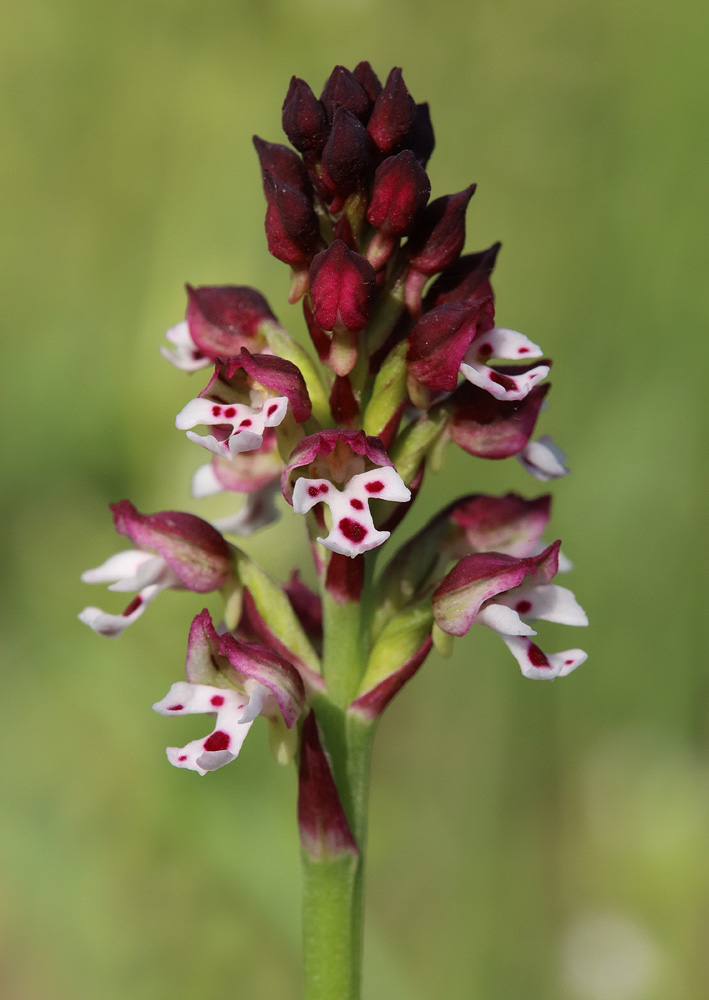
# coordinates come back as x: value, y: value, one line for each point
x: 488, y: 427
x: 347, y: 161
x: 393, y: 114
x: 502, y: 591
x: 235, y: 714
x: 342, y: 288
x: 238, y: 427
x: 176, y: 550
x: 341, y: 457
x: 543, y: 459
x: 436, y: 242
x: 184, y: 353
x: 242, y: 400
x: 221, y: 319
x: 508, y: 345
x: 236, y: 680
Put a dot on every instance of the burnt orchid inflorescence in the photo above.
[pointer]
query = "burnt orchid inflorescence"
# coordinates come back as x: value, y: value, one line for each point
x: 409, y: 359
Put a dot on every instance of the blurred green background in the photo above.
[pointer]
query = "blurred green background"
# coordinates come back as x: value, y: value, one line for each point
x: 545, y: 842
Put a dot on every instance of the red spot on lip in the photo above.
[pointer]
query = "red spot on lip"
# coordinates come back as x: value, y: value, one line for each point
x: 313, y: 491
x: 182, y: 757
x: 216, y: 700
x: 503, y: 380
x: 352, y: 530
x: 217, y: 741
x: 375, y: 487
x: 523, y: 350
x: 485, y: 350
x: 133, y: 606
x: 523, y: 607
x: 324, y: 488
x: 536, y: 657
x: 271, y: 410
x: 357, y: 504
x: 229, y: 412
x: 568, y: 663
x: 216, y: 410
x: 175, y: 708
x: 245, y: 423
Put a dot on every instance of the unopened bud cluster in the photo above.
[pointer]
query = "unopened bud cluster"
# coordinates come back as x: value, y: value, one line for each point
x: 408, y: 358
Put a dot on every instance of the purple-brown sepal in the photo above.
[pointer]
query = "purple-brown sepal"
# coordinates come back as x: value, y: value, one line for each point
x: 323, y: 826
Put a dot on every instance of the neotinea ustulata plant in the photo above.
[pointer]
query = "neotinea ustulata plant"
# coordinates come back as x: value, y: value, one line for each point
x: 408, y: 359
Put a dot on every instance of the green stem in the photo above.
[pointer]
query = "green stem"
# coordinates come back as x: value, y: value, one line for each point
x: 334, y: 884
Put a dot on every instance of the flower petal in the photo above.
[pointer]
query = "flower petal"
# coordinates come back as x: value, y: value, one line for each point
x: 503, y: 343
x: 225, y: 741
x: 112, y: 625
x: 502, y: 385
x: 117, y: 567
x: 545, y: 602
x: 538, y: 665
x: 543, y: 459
x: 186, y: 355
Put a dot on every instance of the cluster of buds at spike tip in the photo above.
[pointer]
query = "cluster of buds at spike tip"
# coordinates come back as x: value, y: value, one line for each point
x: 410, y: 359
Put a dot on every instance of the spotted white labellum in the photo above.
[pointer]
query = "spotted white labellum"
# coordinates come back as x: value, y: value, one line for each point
x: 543, y: 459
x: 186, y: 355
x: 235, y: 713
x: 127, y: 571
x: 508, y: 345
x: 541, y: 666
x: 240, y: 426
x: 353, y: 530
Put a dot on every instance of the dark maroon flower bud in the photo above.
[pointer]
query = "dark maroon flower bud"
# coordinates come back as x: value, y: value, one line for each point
x: 438, y: 343
x: 393, y: 114
x: 224, y: 318
x: 368, y: 80
x: 284, y: 164
x: 467, y: 278
x: 421, y: 140
x: 440, y: 235
x: 291, y: 223
x: 400, y: 192
x: 492, y: 428
x: 304, y: 119
x: 347, y: 163
x: 342, y: 287
x: 343, y: 89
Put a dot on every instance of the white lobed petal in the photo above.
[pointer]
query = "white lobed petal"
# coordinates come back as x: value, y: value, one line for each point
x: 509, y: 345
x: 502, y: 618
x: 118, y: 567
x: 205, y: 482
x: 155, y: 570
x: 186, y: 354
x: 223, y: 744
x: 530, y: 659
x: 112, y: 625
x: 545, y: 602
x: 484, y: 377
x: 543, y: 459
